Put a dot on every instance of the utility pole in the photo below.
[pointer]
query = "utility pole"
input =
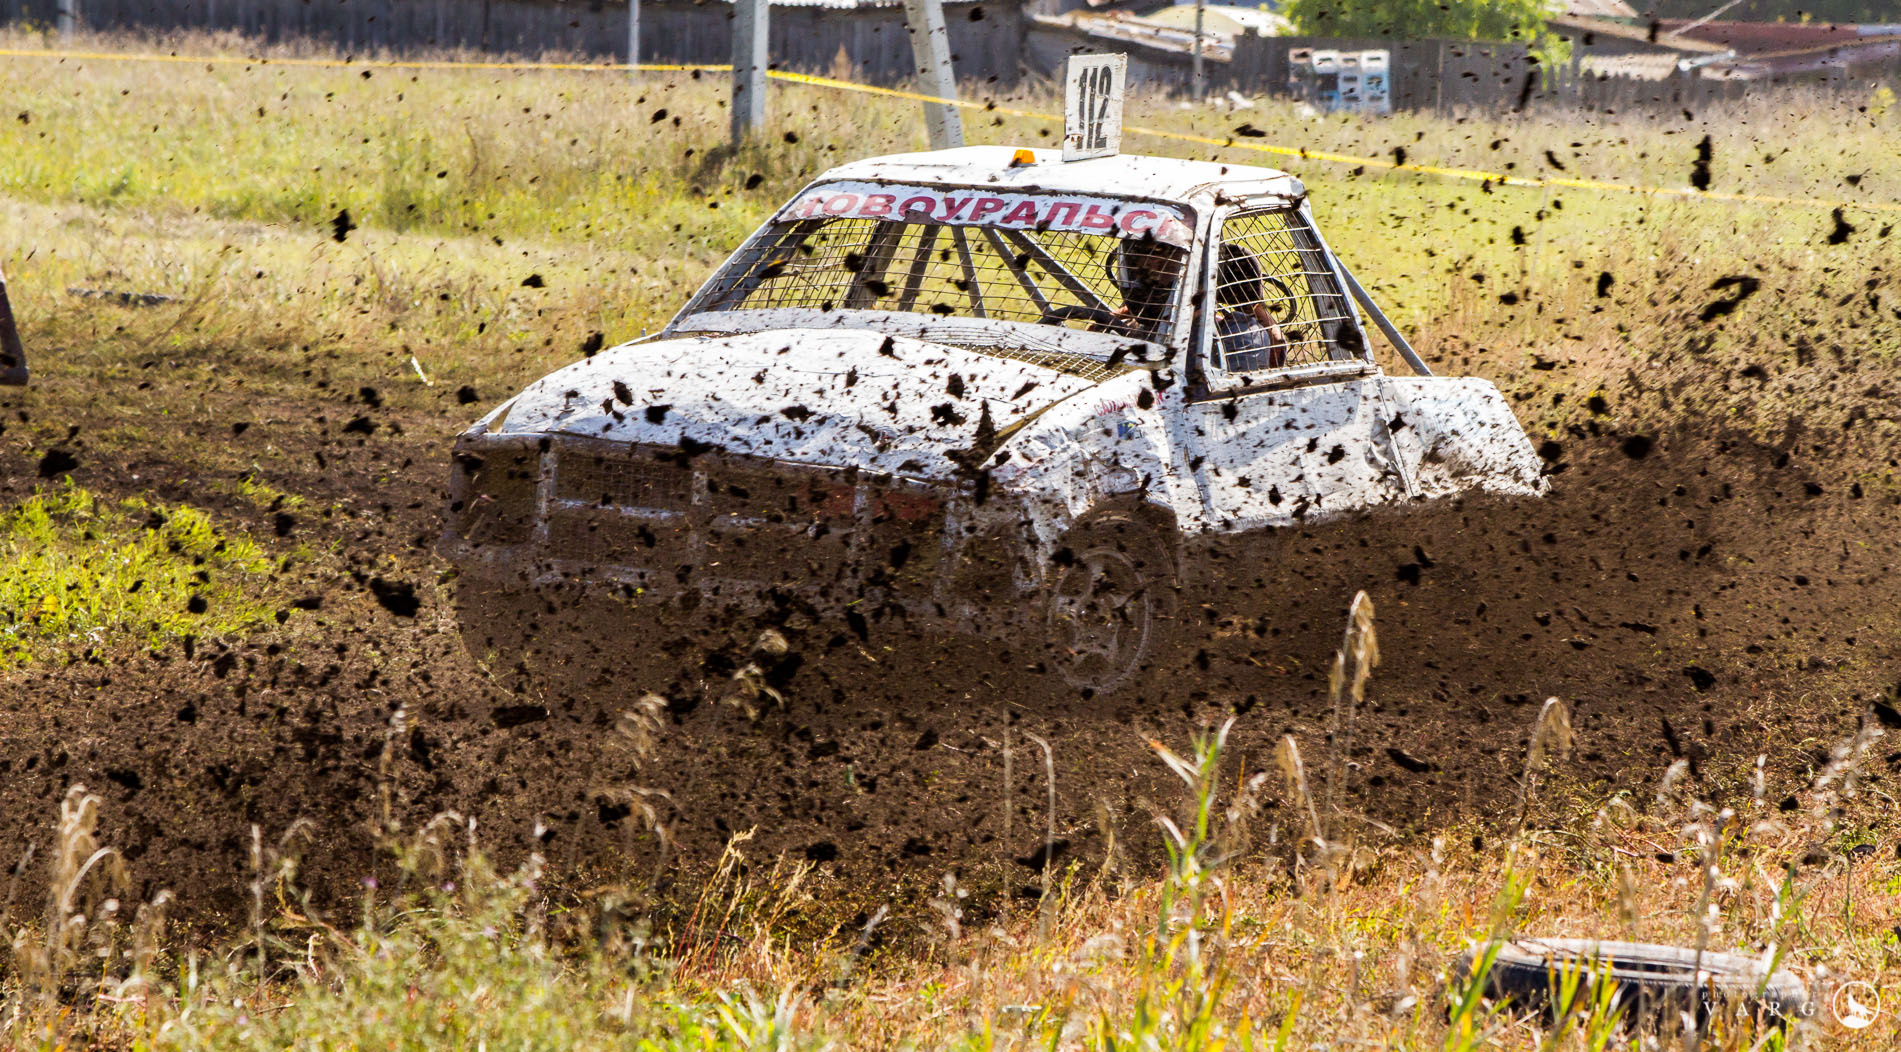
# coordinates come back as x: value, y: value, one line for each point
x: 1196, y: 72
x: 633, y: 39
x: 750, y: 21
x: 68, y: 19
x: 930, y: 54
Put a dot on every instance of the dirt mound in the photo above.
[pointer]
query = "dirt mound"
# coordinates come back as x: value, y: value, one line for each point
x: 1697, y: 598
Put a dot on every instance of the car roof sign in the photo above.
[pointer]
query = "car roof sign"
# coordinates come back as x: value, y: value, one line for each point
x: 1092, y: 105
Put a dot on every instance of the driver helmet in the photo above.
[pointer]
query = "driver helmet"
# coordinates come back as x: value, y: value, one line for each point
x: 1237, y: 279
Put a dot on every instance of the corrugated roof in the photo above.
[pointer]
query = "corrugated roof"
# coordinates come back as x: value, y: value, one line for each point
x: 1226, y: 19
x: 1656, y: 65
x: 1862, y: 52
x: 1662, y: 41
x: 1595, y: 8
x: 1748, y: 38
x: 1123, y: 29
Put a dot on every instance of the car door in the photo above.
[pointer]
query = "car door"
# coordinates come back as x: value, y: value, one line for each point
x: 1289, y: 418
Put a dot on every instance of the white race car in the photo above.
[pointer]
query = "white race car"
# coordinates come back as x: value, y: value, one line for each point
x: 982, y: 389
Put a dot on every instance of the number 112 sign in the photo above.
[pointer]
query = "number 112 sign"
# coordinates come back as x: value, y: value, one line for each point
x: 1092, y: 105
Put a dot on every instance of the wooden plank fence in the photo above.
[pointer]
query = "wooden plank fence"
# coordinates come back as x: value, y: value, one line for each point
x: 993, y: 42
x: 985, y: 37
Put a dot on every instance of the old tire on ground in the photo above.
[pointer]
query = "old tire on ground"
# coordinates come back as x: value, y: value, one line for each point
x: 1654, y: 982
x: 1112, y: 600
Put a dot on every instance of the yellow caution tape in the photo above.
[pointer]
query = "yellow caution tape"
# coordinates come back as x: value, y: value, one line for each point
x: 337, y: 63
x: 1469, y: 174
x: 1485, y: 178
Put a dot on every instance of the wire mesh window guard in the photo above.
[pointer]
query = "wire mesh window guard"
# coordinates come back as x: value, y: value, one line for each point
x: 1096, y: 282
x: 1277, y: 304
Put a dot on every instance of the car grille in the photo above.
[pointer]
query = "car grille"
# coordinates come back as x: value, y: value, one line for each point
x: 607, y: 537
x: 609, y: 480
x: 656, y: 517
x: 495, y: 502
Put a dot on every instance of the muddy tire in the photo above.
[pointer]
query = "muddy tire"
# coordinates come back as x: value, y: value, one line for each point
x: 1112, y: 601
x: 1654, y: 982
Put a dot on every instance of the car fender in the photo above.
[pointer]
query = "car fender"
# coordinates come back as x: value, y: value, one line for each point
x: 1108, y: 444
x: 1457, y: 433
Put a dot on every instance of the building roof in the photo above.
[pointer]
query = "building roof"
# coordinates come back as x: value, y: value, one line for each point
x: 1646, y: 35
x: 1748, y: 38
x: 1113, y: 29
x: 1595, y: 8
x: 1123, y: 175
x: 1226, y: 19
x: 1656, y: 65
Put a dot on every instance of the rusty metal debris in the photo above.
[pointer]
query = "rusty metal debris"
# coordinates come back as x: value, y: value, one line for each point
x: 123, y: 299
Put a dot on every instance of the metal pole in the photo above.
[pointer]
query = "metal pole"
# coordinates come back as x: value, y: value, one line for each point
x: 1197, y: 73
x: 13, y: 371
x: 930, y: 54
x: 68, y: 19
x: 1385, y: 324
x: 750, y: 24
x: 633, y: 38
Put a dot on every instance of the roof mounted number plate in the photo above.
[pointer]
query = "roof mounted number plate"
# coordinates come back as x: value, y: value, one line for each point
x: 1092, y: 105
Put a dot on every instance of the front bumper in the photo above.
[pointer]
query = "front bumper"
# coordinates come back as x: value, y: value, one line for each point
x: 663, y: 524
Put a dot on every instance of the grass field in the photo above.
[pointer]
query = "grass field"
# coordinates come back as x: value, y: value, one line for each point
x: 425, y: 242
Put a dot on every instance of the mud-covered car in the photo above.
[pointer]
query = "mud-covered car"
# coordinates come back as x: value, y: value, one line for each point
x: 980, y: 389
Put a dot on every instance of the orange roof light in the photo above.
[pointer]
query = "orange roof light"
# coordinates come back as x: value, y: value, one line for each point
x: 1022, y: 157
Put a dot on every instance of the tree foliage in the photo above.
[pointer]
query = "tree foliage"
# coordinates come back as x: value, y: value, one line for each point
x: 1521, y: 20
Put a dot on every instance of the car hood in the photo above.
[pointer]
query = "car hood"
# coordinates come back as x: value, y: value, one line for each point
x: 882, y: 403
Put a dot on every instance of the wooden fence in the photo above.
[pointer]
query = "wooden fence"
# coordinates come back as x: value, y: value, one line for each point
x: 993, y: 42
x: 986, y: 38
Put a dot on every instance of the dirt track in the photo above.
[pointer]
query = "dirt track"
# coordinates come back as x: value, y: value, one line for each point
x: 1708, y: 600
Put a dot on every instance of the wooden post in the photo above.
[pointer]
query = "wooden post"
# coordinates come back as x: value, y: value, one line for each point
x: 1196, y: 71
x: 1439, y: 88
x: 750, y: 23
x: 633, y: 38
x: 13, y: 371
x: 930, y: 55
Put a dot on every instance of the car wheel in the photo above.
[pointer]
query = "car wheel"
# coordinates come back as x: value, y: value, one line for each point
x: 1111, y: 601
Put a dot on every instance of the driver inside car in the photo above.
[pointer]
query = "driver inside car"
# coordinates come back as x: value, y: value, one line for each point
x: 1245, y: 330
x: 1145, y: 273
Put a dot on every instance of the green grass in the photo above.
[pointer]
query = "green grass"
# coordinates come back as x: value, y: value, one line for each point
x: 83, y: 574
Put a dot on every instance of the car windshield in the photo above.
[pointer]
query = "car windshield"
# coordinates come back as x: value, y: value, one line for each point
x: 1064, y: 280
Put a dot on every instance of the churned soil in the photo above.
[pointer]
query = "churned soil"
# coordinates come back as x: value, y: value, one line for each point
x: 1691, y: 597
